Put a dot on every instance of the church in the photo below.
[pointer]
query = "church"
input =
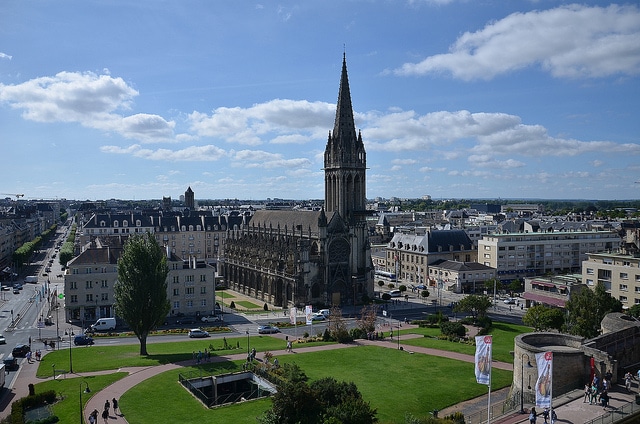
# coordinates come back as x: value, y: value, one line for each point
x: 323, y: 257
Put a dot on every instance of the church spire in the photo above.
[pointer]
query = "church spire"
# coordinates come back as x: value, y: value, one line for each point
x: 344, y: 128
x: 345, y: 160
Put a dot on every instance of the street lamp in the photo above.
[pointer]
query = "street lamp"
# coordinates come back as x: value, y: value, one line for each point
x: 69, y: 332
x: 248, y: 353
x: 522, y: 379
x: 85, y: 391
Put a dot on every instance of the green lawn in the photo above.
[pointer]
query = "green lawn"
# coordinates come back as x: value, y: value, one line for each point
x: 503, y: 336
x: 105, y: 357
x: 393, y: 381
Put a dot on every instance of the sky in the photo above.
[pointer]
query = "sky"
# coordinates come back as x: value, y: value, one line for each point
x: 474, y: 99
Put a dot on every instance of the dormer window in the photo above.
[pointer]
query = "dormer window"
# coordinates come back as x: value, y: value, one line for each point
x: 138, y: 223
x: 125, y: 223
x: 115, y: 223
x: 103, y: 224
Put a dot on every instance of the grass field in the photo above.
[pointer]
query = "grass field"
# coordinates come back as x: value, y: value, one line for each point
x: 394, y: 382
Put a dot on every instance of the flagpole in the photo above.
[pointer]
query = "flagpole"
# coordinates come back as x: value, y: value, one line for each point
x: 489, y: 400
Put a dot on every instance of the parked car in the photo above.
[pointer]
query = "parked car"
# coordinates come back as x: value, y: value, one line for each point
x: 317, y: 317
x: 2, y: 339
x: 20, y: 351
x: 395, y: 293
x: 210, y: 318
x: 268, y: 329
x: 11, y: 363
x: 82, y: 340
x: 197, y: 333
x: 510, y: 301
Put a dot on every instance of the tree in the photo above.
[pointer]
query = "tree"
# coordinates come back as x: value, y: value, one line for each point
x: 634, y: 311
x: 368, y: 318
x: 424, y: 294
x: 475, y: 305
x: 140, y: 292
x: 337, y: 326
x: 543, y: 318
x: 587, y: 308
x: 515, y: 285
x: 324, y: 401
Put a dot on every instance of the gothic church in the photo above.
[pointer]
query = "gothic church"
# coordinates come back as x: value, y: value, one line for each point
x: 298, y: 258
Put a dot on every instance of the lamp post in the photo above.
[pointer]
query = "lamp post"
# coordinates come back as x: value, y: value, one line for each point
x: 248, y: 353
x: 69, y: 332
x: 522, y: 379
x: 86, y: 390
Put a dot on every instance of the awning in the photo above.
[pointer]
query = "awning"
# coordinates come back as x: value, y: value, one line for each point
x: 542, y: 283
x: 554, y: 301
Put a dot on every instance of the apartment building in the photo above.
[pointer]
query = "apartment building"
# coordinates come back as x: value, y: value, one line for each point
x: 521, y: 255
x: 460, y: 277
x: 410, y: 255
x: 620, y: 274
x: 90, y: 277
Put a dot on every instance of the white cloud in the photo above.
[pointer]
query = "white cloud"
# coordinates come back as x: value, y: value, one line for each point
x: 284, y: 121
x: 571, y: 41
x: 267, y: 160
x: 86, y: 98
x: 5, y: 56
x: 189, y: 154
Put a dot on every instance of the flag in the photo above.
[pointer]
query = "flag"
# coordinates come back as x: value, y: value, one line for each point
x: 483, y: 359
x: 293, y: 313
x: 308, y: 311
x: 544, y: 384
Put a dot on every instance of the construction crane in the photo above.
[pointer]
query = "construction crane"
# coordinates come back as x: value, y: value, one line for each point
x: 17, y: 196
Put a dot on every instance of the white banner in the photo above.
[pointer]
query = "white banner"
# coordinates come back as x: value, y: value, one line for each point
x: 483, y: 359
x: 544, y: 384
x: 293, y: 312
x: 308, y: 311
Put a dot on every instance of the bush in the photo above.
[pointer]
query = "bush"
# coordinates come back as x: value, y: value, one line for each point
x: 453, y: 329
x: 391, y: 285
x: 232, y: 305
x: 265, y: 307
x: 357, y: 333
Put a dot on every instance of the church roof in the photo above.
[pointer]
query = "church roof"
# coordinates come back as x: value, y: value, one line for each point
x: 294, y: 221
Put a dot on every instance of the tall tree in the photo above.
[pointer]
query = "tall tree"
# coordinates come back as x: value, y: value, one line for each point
x: 586, y: 309
x: 475, y: 305
x: 543, y: 318
x: 141, y: 289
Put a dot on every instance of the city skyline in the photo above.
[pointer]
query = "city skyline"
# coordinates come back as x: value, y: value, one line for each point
x: 455, y: 99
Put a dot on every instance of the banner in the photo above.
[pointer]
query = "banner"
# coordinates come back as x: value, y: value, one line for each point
x: 293, y: 312
x: 308, y: 311
x: 483, y: 359
x: 544, y: 384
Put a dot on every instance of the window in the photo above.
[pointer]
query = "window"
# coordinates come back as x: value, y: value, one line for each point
x: 88, y: 285
x: 624, y: 276
x: 623, y: 299
x: 176, y: 304
x: 486, y: 247
x: 487, y: 255
x: 590, y: 281
x: 589, y: 271
x: 176, y: 292
x: 104, y: 284
x: 203, y: 290
x: 89, y: 298
x: 74, y: 298
x: 203, y: 303
x: 188, y: 290
x: 203, y: 278
x: 623, y: 287
x: 104, y: 296
x: 73, y: 285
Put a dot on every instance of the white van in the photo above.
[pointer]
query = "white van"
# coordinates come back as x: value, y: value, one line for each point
x: 104, y: 324
x: 324, y: 312
x: 395, y: 293
x: 31, y: 279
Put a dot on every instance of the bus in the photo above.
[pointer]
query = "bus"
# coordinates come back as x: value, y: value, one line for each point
x: 390, y: 275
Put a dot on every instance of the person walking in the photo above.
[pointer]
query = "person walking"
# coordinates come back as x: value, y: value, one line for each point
x: 114, y: 402
x: 107, y: 405
x: 533, y: 415
x: 627, y: 380
x: 587, y: 393
x: 105, y: 416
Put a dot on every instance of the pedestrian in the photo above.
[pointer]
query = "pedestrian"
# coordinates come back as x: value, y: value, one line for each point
x: 594, y: 394
x: 105, y: 416
x: 107, y: 405
x: 587, y: 393
x: 92, y: 419
x: 28, y: 355
x: 604, y: 399
x: 627, y: 380
x: 533, y: 415
x: 545, y: 415
x: 114, y: 402
x: 554, y: 417
x: 391, y: 333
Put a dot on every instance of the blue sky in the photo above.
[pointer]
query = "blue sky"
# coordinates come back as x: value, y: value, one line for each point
x: 454, y: 98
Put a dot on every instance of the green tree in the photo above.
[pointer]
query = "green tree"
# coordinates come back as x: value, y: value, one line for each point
x: 543, y: 318
x: 634, y: 311
x: 424, y: 294
x: 140, y: 292
x: 586, y: 309
x: 515, y: 285
x: 476, y: 305
x: 324, y: 401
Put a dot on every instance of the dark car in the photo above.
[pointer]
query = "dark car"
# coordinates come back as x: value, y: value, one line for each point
x: 82, y: 340
x: 11, y: 364
x: 20, y: 351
